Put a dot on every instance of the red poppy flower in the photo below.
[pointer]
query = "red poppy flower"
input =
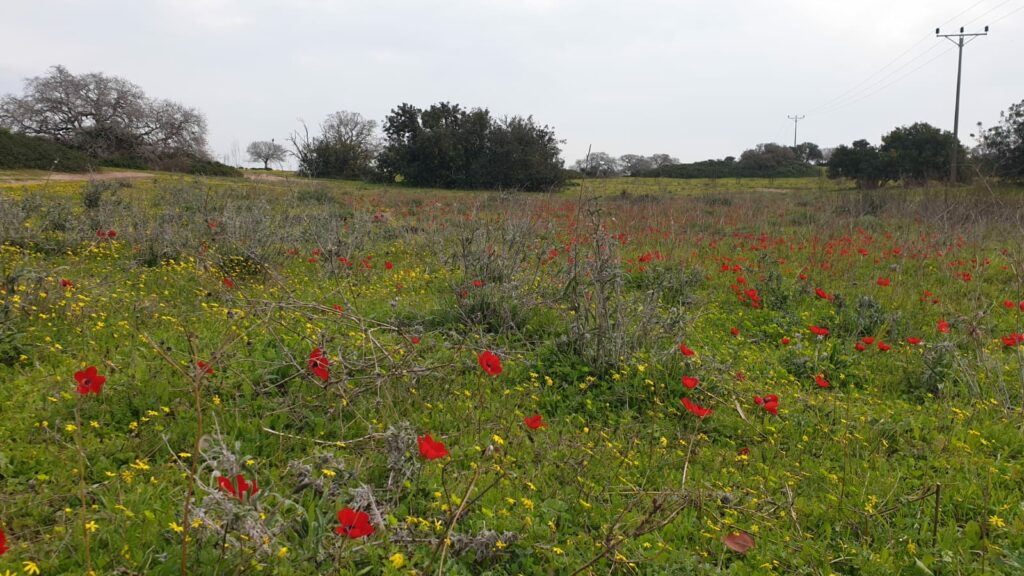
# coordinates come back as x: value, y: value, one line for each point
x: 686, y: 351
x: 65, y: 283
x: 785, y: 340
x: 821, y: 381
x: 913, y: 340
x: 353, y: 524
x: 823, y: 295
x: 534, y: 422
x: 771, y: 404
x: 803, y: 276
x: 690, y: 382
x: 478, y: 283
x: 3, y: 543
x: 227, y: 282
x: 431, y: 449
x: 869, y: 340
x: 1013, y: 339
x: 696, y: 410
x: 734, y: 331
x: 204, y: 367
x: 339, y: 308
x: 89, y: 381
x: 238, y: 488
x: 318, y: 364
x: 1022, y: 305
x: 743, y: 451
x: 860, y: 347
x: 882, y: 346
x: 882, y: 281
x: 943, y: 326
x: 388, y: 265
x: 1008, y: 304
x: 966, y: 277
x: 819, y: 331
x: 414, y: 339
x: 490, y: 362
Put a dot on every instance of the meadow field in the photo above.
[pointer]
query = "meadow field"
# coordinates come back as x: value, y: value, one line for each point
x: 225, y: 376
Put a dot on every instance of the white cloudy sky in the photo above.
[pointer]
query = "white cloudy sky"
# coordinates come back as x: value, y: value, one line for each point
x: 692, y: 79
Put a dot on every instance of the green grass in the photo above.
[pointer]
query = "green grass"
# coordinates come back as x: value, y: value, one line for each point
x: 586, y: 304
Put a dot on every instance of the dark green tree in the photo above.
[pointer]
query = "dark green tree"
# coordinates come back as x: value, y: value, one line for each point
x: 1000, y: 149
x: 919, y: 153
x: 862, y: 163
x: 447, y: 146
x: 772, y: 161
x: 808, y: 152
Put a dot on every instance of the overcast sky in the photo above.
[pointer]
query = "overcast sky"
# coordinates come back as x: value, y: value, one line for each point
x: 693, y: 79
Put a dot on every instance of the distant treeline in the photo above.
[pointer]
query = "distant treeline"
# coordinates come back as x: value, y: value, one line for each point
x: 762, y: 161
x: 730, y: 168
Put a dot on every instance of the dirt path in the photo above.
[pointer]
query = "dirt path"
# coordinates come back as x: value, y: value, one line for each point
x: 68, y: 177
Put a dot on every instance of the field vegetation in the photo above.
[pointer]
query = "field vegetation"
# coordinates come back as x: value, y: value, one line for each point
x: 630, y: 376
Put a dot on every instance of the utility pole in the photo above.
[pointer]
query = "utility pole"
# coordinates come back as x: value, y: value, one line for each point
x: 796, y: 120
x: 960, y: 39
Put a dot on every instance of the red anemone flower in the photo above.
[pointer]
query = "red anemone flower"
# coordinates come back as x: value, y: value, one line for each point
x: 478, y: 283
x: 534, y: 422
x: 239, y: 487
x: 696, y: 410
x: 415, y: 339
x: 690, y: 382
x: 912, y: 340
x: 882, y: 281
x: 490, y: 362
x: 869, y: 340
x: 318, y: 364
x: 860, y: 347
x: 686, y: 351
x: 734, y: 331
x: 3, y: 543
x: 353, y: 524
x: 1008, y: 304
x: 89, y: 381
x: 819, y: 331
x: 388, y: 265
x: 785, y: 340
x: 1013, y: 340
x: 227, y: 282
x: 882, y: 346
x: 65, y: 283
x: 204, y: 367
x: 823, y: 295
x: 431, y: 449
x: 770, y: 403
x: 943, y: 326
x: 821, y: 381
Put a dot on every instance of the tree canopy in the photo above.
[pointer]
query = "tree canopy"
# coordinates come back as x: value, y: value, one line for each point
x: 448, y: 146
x: 106, y: 117
x: 1000, y: 149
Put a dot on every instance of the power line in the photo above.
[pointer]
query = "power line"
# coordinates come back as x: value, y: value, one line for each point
x: 869, y: 88
x: 987, y: 12
x: 880, y: 88
x: 1007, y: 15
x: 853, y: 88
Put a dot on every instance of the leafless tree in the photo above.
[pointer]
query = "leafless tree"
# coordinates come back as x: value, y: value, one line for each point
x: 266, y: 152
x: 104, y: 116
